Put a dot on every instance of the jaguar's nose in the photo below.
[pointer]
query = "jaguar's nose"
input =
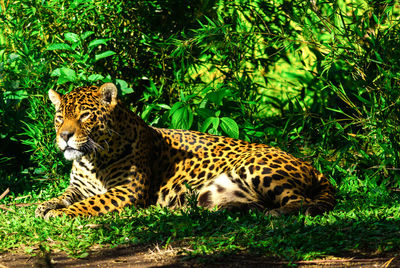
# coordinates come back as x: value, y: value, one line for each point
x: 65, y: 135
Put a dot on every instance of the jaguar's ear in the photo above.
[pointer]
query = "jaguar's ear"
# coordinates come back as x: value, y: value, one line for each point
x: 55, y: 98
x: 109, y: 93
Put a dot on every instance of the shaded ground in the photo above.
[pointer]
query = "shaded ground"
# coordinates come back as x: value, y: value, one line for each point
x: 134, y: 256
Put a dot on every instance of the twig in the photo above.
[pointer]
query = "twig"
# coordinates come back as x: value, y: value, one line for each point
x: 386, y: 264
x: 4, y: 193
x: 352, y: 260
x: 6, y: 207
x: 388, y: 168
x: 22, y: 197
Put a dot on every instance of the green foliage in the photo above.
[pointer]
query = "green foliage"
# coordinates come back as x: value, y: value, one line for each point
x: 50, y: 44
x: 74, y: 54
x: 316, y: 76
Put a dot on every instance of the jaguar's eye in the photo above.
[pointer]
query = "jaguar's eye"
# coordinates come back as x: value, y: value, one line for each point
x: 59, y: 119
x: 84, y: 116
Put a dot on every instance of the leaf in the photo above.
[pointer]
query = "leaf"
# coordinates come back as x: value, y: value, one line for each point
x: 55, y: 72
x: 152, y: 89
x: 164, y: 106
x: 97, y: 42
x: 126, y: 90
x: 83, y: 255
x: 124, y: 86
x: 95, y: 77
x: 182, y: 118
x: 211, y: 120
x: 230, y: 127
x: 121, y: 83
x: 71, y: 37
x: 204, y: 112
x: 186, y: 98
x: 363, y: 100
x: 58, y: 46
x: 66, y: 75
x: 16, y: 95
x: 86, y: 34
x: 175, y: 107
x: 82, y: 76
x: 217, y: 97
x: 104, y: 55
x: 146, y: 112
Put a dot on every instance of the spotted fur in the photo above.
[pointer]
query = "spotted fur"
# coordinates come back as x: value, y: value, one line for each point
x: 118, y: 161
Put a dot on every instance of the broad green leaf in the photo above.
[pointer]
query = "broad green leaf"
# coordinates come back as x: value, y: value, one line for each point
x: 217, y: 97
x: 178, y: 117
x: 58, y: 46
x: 164, y: 106
x: 97, y: 42
x: 230, y: 127
x: 82, y: 76
x: 71, y: 37
x: 182, y: 118
x: 75, y: 45
x: 66, y: 75
x: 86, y: 34
x: 204, y: 112
x: 146, y: 111
x: 104, y: 55
x: 121, y: 83
x: 55, y: 72
x: 175, y: 107
x: 124, y: 86
x: 375, y: 19
x: 95, y: 77
x: 83, y: 255
x: 126, y: 90
x: 211, y: 120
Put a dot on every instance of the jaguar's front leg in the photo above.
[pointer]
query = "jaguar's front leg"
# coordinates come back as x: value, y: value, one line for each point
x: 115, y: 199
x: 70, y: 196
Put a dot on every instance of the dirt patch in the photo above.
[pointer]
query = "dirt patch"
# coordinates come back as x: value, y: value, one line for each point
x: 137, y: 256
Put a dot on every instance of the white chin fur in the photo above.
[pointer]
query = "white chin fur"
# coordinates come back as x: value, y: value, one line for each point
x: 71, y: 154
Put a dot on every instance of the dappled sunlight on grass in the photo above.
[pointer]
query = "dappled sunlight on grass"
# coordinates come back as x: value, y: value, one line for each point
x: 352, y: 228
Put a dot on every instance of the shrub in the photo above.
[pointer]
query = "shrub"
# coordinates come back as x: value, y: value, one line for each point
x: 314, y: 78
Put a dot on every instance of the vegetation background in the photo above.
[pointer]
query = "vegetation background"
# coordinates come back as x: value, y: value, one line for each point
x: 319, y: 79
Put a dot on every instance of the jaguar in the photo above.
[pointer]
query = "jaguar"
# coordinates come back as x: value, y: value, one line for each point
x: 119, y: 161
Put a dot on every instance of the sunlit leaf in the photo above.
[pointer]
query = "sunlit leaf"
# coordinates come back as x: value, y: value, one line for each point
x: 58, y: 46
x: 230, y: 127
x: 182, y: 118
x: 104, y: 55
x: 71, y: 37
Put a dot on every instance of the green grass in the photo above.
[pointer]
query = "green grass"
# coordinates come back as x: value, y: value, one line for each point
x: 363, y: 225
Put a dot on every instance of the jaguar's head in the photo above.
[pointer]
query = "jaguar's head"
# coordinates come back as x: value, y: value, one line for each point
x: 82, y: 118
